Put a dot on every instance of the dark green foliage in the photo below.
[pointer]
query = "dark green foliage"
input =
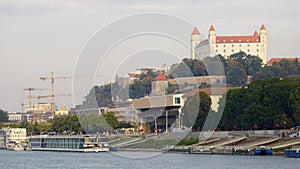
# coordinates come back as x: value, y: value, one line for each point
x: 3, y: 116
x: 235, y: 73
x: 268, y: 72
x: 68, y: 123
x: 92, y: 123
x: 188, y: 68
x: 172, y: 89
x: 215, y: 66
x: 111, y: 119
x: 125, y: 125
x: 103, y: 96
x: 196, y: 109
x: 99, y: 96
x: 282, y: 69
x: 263, y: 103
x: 250, y: 63
x: 188, y: 141
x: 142, y: 87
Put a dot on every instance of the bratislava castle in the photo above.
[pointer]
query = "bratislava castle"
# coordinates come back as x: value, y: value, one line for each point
x: 255, y: 44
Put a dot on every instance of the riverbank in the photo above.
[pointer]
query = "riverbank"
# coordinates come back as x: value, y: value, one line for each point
x: 233, y: 145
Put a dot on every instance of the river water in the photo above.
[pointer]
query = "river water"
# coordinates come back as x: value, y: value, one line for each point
x: 124, y: 160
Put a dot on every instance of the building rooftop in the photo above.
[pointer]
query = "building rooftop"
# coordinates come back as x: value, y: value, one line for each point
x: 195, y: 31
x: 160, y: 77
x: 237, y: 39
x: 273, y: 60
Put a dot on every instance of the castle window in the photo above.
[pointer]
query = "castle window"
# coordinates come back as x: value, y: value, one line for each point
x: 248, y: 45
x: 224, y: 45
x: 240, y: 45
x: 232, y: 45
x: 217, y: 50
x: 257, y: 45
x: 224, y: 50
x: 257, y: 50
x: 248, y: 50
x: 232, y: 50
x: 216, y: 45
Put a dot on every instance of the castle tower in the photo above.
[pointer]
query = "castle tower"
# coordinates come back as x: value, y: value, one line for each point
x: 160, y: 85
x: 212, y: 35
x: 195, y: 40
x: 263, y: 43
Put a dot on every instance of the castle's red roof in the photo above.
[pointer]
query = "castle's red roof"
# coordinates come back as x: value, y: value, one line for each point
x: 160, y: 77
x: 262, y: 27
x: 255, y: 33
x: 211, y: 28
x: 195, y: 31
x: 237, y: 39
x: 273, y: 60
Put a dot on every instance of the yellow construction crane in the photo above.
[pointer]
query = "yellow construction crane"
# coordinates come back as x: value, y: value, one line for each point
x: 29, y: 90
x: 52, y: 78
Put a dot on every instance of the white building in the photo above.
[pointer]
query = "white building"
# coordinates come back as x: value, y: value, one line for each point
x: 255, y: 44
x: 14, y: 117
x: 13, y: 136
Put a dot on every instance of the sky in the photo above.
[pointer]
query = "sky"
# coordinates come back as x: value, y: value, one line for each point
x: 38, y: 37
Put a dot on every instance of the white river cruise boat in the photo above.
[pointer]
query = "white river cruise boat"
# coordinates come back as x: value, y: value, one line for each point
x: 76, y: 143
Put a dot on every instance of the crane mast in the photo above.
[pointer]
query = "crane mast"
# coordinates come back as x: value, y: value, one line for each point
x: 52, y: 78
x: 30, y: 107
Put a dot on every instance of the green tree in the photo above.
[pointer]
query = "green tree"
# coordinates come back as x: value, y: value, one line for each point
x: 196, y: 109
x: 263, y: 103
x: 142, y: 87
x: 93, y: 122
x: 294, y: 105
x: 69, y: 123
x: 250, y: 63
x: 215, y: 65
x: 235, y: 73
x: 268, y: 72
x: 111, y: 119
x: 188, y: 68
x: 3, y: 116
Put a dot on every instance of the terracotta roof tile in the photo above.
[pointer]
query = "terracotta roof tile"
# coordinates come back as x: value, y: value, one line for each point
x: 195, y: 31
x: 211, y: 28
x: 255, y: 33
x: 273, y: 60
x: 262, y: 27
x: 160, y: 77
x: 238, y: 39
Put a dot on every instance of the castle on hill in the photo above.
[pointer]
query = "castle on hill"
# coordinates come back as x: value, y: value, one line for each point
x: 255, y: 44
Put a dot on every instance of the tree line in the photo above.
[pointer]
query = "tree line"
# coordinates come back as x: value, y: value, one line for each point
x: 3, y: 116
x: 264, y: 104
x: 72, y: 124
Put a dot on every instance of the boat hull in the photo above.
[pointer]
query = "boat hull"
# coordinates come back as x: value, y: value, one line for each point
x: 68, y: 144
x: 292, y: 153
x: 262, y: 151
